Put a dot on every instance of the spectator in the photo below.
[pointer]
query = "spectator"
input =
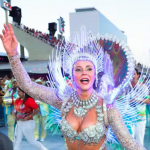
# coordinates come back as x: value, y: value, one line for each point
x: 13, y: 94
x: 2, y: 87
x: 51, y: 40
x: 25, y: 109
x: 22, y: 26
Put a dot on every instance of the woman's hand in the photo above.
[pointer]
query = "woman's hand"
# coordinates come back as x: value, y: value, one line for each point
x: 26, y: 118
x: 9, y: 40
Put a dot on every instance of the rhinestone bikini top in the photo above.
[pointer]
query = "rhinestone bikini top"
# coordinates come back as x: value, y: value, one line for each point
x: 92, y: 134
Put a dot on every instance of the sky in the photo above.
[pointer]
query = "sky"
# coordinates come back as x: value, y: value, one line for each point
x: 131, y: 16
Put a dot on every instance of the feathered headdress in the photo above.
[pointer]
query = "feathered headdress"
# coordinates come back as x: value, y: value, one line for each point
x: 100, y: 50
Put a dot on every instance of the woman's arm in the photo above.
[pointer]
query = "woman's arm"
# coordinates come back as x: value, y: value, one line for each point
x: 40, y: 92
x: 120, y: 130
x: 14, y: 115
x: 145, y: 101
x: 35, y: 112
x: 36, y: 91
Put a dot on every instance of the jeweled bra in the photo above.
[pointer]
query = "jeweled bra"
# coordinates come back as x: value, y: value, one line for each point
x: 92, y: 134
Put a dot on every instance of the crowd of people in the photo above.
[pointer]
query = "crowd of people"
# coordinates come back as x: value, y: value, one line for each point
x: 37, y: 111
x: 45, y: 37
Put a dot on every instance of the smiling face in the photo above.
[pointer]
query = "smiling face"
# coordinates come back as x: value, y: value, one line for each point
x: 20, y: 93
x: 15, y: 85
x: 1, y: 82
x: 136, y: 75
x: 84, y: 75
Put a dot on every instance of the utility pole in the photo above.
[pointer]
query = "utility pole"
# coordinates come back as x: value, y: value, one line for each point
x: 61, y: 26
x: 6, y: 15
x: 6, y: 5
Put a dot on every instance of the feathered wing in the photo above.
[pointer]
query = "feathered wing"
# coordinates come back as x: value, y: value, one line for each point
x: 57, y: 80
x: 127, y: 107
x: 57, y: 77
x: 108, y: 68
x: 106, y: 85
x: 125, y: 103
x: 53, y: 120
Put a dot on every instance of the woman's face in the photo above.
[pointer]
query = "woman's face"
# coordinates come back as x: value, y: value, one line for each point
x: 20, y: 93
x: 15, y: 85
x: 136, y: 76
x: 84, y: 75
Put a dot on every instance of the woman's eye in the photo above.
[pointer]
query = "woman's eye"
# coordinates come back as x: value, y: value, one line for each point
x: 89, y: 69
x: 78, y: 70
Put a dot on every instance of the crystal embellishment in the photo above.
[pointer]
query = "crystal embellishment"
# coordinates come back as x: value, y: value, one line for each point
x: 80, y: 112
x: 81, y: 107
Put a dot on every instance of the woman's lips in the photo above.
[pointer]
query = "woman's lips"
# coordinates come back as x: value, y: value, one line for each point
x: 84, y: 81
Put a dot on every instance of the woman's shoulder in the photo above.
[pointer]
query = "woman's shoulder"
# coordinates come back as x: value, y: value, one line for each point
x: 100, y: 100
x: 30, y: 99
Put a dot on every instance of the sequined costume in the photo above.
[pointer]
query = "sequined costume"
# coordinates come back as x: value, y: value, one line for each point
x: 48, y: 95
x: 93, y: 134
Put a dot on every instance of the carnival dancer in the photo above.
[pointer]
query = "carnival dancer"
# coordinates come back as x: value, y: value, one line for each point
x: 41, y: 118
x: 13, y: 93
x: 25, y: 109
x: 138, y: 130
x: 86, y: 114
x: 137, y: 127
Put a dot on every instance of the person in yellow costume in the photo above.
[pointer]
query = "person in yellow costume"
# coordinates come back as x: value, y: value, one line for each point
x: 41, y: 117
x: 12, y: 92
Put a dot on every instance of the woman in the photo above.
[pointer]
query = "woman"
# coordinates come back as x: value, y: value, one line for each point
x: 83, y: 124
x: 25, y: 109
x: 139, y: 128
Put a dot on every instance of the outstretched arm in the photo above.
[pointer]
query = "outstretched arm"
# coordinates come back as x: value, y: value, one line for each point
x: 120, y: 130
x: 37, y: 91
x: 45, y: 94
